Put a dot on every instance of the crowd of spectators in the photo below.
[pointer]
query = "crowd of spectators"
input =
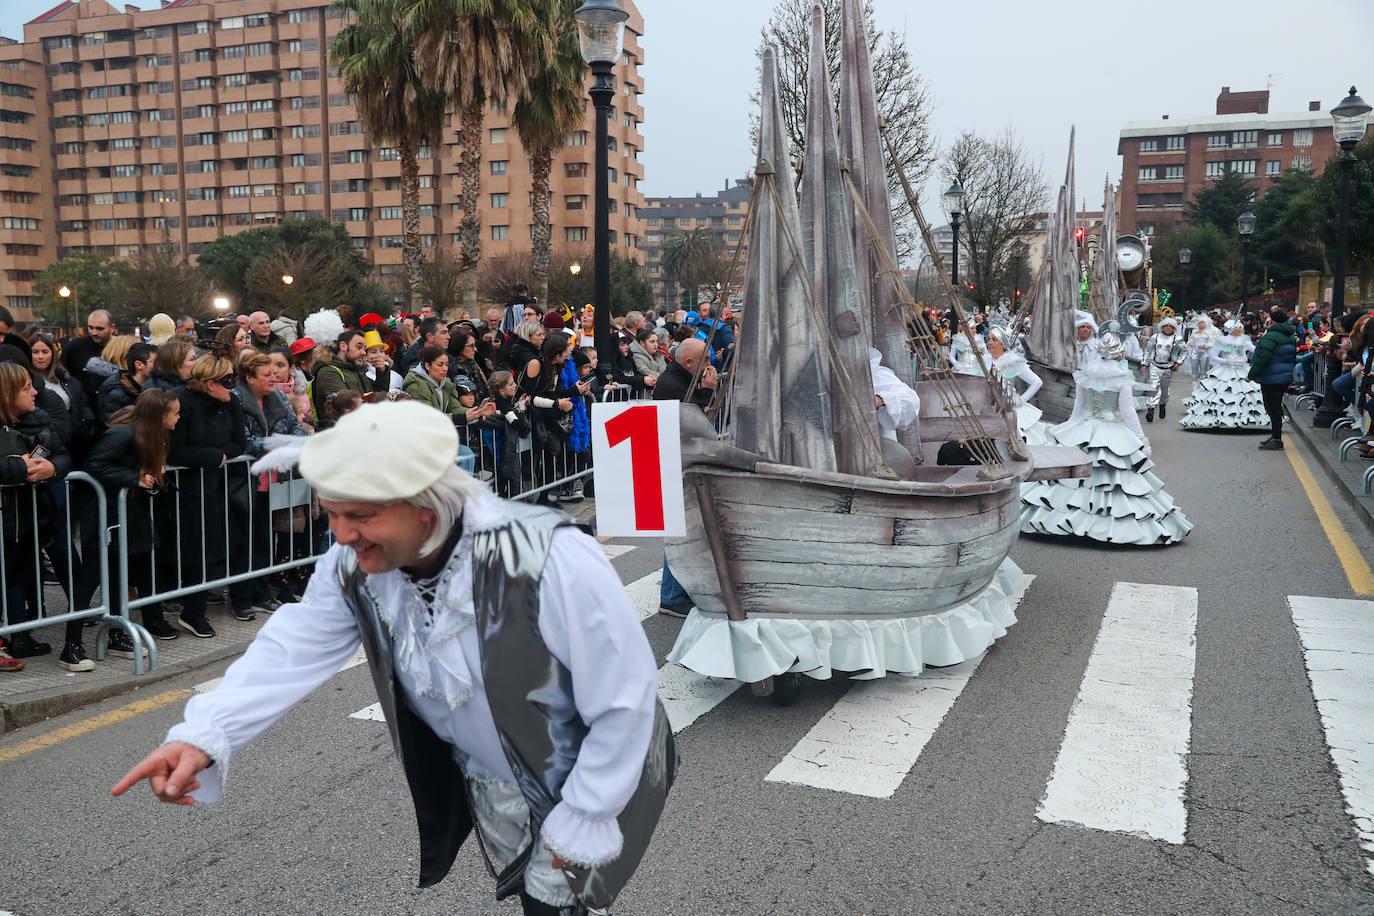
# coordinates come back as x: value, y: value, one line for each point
x: 162, y: 419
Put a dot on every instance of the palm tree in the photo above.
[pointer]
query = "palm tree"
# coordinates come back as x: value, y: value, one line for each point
x: 545, y: 113
x: 686, y: 253
x: 375, y: 55
x: 478, y: 51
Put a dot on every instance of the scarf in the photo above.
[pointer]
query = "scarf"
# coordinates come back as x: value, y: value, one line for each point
x: 580, y: 440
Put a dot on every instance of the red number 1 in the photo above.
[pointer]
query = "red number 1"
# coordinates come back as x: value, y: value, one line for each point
x: 640, y: 426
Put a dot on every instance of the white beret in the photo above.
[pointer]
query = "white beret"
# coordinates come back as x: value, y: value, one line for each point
x: 381, y: 453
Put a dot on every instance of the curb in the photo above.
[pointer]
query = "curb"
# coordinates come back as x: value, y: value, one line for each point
x: 1346, y: 476
x: 57, y: 702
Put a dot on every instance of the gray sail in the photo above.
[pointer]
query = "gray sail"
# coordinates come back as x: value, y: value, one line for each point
x: 1106, y: 276
x: 827, y: 214
x: 779, y: 406
x: 1050, y: 339
x: 860, y: 144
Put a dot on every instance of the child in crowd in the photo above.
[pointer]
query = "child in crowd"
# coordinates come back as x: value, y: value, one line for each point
x: 507, y: 426
x: 340, y: 404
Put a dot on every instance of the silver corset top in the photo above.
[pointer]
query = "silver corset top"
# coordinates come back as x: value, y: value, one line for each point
x: 1104, y: 405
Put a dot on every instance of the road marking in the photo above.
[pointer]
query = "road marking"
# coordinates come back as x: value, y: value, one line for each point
x: 873, y: 735
x: 1121, y: 765
x: 57, y: 736
x: 1352, y: 561
x: 618, y: 550
x: 1338, y: 649
x: 644, y: 594
x: 687, y: 696
x: 371, y: 713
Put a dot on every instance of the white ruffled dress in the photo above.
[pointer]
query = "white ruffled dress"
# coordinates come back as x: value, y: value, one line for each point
x: 1225, y: 398
x: 1013, y: 367
x: 1122, y: 502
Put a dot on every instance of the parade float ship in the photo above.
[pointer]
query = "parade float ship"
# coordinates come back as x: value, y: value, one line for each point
x: 814, y: 544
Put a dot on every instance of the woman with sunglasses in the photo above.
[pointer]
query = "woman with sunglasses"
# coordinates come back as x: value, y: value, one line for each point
x: 209, y: 432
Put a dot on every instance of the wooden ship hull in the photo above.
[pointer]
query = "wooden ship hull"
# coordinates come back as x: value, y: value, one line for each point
x: 1055, y: 397
x: 774, y: 540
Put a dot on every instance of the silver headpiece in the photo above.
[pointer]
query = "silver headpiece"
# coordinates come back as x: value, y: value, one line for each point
x: 1111, y: 340
x: 1232, y: 325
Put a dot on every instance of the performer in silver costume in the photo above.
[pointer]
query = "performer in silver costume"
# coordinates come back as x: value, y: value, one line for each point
x: 1226, y: 398
x: 1123, y: 502
x: 518, y: 685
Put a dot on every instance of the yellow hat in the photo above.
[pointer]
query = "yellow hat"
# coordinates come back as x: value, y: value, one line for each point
x: 373, y: 339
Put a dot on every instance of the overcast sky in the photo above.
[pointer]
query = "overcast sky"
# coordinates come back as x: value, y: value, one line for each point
x: 1039, y: 67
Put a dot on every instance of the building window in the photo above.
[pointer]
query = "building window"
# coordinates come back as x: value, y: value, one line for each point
x: 1217, y: 141
x: 1272, y: 168
x: 498, y: 201
x: 577, y: 138
x: 575, y: 234
x: 1302, y: 162
x: 498, y: 233
x: 1245, y: 139
x: 388, y: 154
x: 575, y: 202
x: 236, y: 136
x: 1302, y: 137
x: 230, y: 108
x: 1148, y: 173
x: 259, y: 48
x: 498, y: 135
x: 612, y: 175
x: 575, y: 169
x: 1149, y: 146
x: 1246, y: 167
x: 1173, y: 173
x: 1216, y: 169
x: 1174, y: 144
x: 389, y: 213
x: 391, y: 241
x: 1276, y: 138
x: 239, y: 190
x: 498, y: 166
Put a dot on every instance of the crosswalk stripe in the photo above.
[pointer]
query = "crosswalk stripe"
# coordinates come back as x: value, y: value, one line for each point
x: 1122, y: 764
x: 644, y: 594
x: 873, y: 735
x: 1338, y: 649
x: 687, y: 696
x: 618, y: 550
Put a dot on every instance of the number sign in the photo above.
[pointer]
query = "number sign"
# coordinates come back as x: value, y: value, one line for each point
x: 637, y: 465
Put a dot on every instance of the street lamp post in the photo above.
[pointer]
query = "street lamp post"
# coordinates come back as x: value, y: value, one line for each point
x: 1185, y: 261
x: 1350, y: 117
x: 1245, y: 225
x: 600, y: 32
x: 953, y: 200
x: 70, y: 292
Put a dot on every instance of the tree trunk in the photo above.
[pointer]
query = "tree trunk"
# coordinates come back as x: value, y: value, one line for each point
x: 470, y: 229
x: 540, y: 166
x: 412, y: 250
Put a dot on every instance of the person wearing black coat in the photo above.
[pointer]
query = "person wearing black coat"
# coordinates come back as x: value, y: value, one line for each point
x: 25, y: 430
x: 208, y: 434
x: 114, y: 462
x: 672, y: 385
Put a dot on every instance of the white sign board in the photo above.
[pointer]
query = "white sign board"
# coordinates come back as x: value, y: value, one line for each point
x: 637, y: 466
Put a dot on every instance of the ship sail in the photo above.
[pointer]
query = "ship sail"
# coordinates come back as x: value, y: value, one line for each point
x: 1104, y: 286
x: 1050, y: 338
x: 860, y: 144
x: 780, y: 406
x: 842, y: 325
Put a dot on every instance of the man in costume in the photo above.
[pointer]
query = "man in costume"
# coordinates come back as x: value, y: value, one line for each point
x: 518, y: 685
x: 1085, y: 341
x: 1164, y: 353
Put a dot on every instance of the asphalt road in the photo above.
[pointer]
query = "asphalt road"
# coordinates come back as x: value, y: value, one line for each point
x: 317, y: 820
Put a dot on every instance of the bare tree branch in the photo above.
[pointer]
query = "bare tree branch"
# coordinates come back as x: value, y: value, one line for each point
x: 904, y: 98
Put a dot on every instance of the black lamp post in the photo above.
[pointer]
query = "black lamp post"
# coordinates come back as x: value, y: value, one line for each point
x: 1185, y: 261
x: 1351, y: 117
x: 70, y: 292
x: 1245, y: 225
x: 1019, y: 254
x: 954, y: 208
x: 601, y: 31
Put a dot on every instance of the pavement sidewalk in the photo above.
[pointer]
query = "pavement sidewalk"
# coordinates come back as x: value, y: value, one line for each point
x: 1344, y: 478
x: 43, y: 689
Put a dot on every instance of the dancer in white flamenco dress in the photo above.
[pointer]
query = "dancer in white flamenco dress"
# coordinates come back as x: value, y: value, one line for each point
x: 1013, y: 367
x: 1123, y: 502
x: 1225, y: 398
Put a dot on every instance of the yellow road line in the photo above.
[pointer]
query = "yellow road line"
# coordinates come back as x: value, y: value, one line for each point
x: 1356, y: 569
x: 57, y: 736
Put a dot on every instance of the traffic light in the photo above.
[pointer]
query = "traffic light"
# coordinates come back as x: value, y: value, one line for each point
x: 1078, y: 236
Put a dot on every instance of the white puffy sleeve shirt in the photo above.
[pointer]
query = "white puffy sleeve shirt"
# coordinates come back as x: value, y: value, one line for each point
x: 587, y: 622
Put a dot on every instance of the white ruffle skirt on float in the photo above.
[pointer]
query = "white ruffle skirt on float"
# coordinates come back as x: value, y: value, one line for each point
x: 1030, y: 425
x: 1122, y: 502
x: 762, y: 647
x: 1225, y: 399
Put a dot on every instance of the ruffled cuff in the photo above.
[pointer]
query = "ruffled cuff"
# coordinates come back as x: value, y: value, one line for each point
x: 580, y: 838
x: 214, y: 743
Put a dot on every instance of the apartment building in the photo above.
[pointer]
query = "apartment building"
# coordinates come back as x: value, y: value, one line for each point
x: 723, y: 213
x: 121, y: 129
x: 1166, y: 161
